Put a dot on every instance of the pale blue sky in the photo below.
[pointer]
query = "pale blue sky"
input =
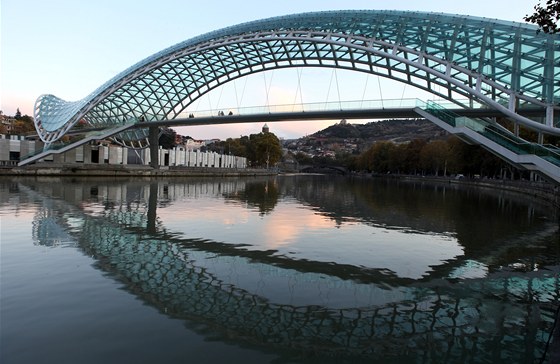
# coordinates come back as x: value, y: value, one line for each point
x: 70, y: 47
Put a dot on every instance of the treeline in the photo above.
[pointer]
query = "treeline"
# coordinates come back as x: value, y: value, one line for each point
x: 261, y: 150
x: 436, y: 158
x: 420, y: 157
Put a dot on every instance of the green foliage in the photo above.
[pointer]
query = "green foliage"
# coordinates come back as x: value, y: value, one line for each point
x: 20, y: 124
x: 260, y: 195
x: 438, y: 157
x: 346, y: 160
x: 435, y: 156
x: 546, y: 17
x: 235, y: 147
x: 167, y: 138
x: 303, y: 158
x: 413, y: 151
x: 342, y: 131
x: 23, y: 125
x: 382, y: 156
x: 261, y: 150
x: 264, y: 150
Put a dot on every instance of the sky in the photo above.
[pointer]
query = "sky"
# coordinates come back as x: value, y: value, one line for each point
x: 68, y: 48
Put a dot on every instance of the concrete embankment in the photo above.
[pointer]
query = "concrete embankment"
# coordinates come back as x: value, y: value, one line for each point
x: 75, y: 170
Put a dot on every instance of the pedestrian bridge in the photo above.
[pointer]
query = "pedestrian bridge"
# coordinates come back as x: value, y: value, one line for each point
x: 471, y: 125
x: 508, y: 69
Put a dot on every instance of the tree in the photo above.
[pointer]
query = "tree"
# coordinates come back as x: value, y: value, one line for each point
x: 435, y: 156
x: 413, y: 150
x: 235, y: 147
x: 546, y: 18
x: 380, y: 156
x: 167, y: 139
x: 23, y: 125
x: 397, y: 159
x: 303, y: 158
x: 264, y: 149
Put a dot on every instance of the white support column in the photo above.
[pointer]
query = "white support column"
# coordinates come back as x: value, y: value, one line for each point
x: 191, y: 161
x: 549, y: 115
x: 125, y: 156
x: 512, y: 102
x: 172, y: 157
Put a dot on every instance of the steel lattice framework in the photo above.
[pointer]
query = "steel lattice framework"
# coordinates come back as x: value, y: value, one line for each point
x: 504, y: 65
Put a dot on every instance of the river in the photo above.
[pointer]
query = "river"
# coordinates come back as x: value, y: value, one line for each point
x: 285, y: 269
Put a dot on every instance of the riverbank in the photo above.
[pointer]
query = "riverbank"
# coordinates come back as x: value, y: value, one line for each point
x: 99, y: 170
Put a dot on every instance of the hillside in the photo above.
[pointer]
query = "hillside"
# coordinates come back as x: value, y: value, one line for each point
x: 397, y: 131
x: 346, y: 138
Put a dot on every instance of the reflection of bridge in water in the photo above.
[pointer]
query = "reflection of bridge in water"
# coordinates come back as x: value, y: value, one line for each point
x: 504, y: 317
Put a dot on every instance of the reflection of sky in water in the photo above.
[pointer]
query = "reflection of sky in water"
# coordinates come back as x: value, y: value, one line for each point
x: 299, y: 232
x: 328, y: 286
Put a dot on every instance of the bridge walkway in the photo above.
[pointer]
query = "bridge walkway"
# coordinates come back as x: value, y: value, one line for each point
x: 544, y: 159
x: 465, y: 123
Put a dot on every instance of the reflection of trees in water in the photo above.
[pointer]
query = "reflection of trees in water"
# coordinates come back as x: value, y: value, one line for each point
x: 502, y: 318
x: 259, y: 194
x: 481, y: 220
x: 393, y: 203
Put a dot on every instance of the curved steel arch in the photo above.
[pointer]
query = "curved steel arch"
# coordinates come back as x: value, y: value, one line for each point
x: 505, y: 65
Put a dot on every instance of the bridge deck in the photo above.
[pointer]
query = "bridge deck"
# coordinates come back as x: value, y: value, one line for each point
x: 395, y: 112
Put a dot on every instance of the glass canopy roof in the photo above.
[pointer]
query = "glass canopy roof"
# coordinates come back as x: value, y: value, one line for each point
x: 502, y: 64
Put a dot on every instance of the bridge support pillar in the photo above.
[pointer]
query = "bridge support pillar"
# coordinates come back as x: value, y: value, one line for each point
x: 153, y: 138
x: 549, y: 115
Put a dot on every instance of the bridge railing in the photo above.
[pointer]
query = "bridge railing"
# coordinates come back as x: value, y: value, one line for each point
x: 496, y: 133
x: 307, y: 107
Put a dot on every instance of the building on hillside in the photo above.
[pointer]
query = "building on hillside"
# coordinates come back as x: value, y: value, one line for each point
x: 7, y: 122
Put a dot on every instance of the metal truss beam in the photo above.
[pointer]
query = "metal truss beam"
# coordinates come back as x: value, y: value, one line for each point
x: 505, y: 65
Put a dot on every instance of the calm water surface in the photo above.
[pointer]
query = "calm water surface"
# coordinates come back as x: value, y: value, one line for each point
x: 291, y: 269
